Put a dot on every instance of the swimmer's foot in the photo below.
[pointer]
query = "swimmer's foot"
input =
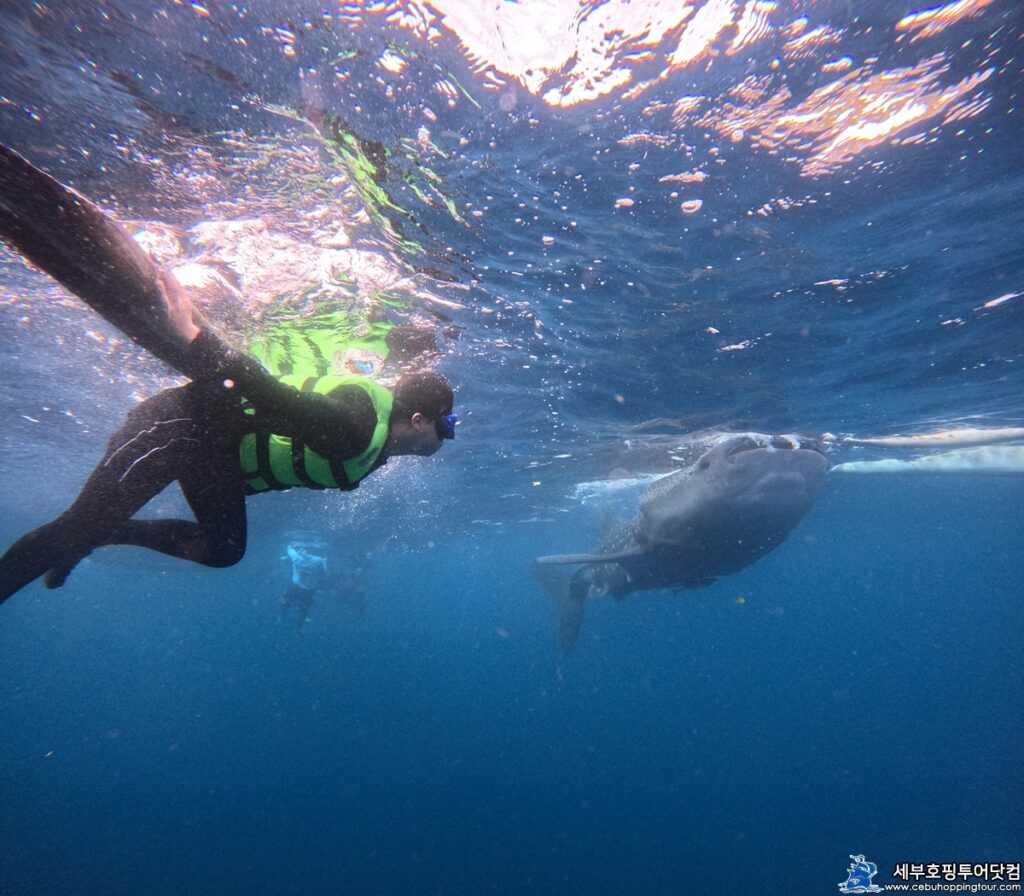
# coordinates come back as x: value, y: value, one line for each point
x: 56, y: 577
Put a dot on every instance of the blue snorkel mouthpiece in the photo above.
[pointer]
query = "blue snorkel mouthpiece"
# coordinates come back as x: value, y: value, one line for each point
x: 445, y: 426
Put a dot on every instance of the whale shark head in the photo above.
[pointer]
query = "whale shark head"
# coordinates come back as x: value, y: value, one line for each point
x: 746, y: 486
x: 735, y: 503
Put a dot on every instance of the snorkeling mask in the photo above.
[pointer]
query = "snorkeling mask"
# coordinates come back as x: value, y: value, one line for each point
x: 445, y: 426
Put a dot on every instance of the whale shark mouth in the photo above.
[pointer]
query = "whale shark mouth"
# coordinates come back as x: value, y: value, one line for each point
x: 778, y: 466
x: 598, y: 490
x: 769, y: 477
x: 744, y: 442
x: 778, y: 492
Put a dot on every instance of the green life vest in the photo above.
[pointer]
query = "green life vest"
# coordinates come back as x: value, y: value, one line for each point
x: 274, y: 462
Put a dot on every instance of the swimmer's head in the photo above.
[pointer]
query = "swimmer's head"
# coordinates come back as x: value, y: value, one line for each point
x: 421, y: 414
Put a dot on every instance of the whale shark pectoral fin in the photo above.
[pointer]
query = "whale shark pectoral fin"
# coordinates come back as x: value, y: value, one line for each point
x: 553, y: 559
x: 568, y: 599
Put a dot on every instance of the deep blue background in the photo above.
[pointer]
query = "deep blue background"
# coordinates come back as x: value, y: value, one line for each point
x: 175, y: 737
x: 162, y: 732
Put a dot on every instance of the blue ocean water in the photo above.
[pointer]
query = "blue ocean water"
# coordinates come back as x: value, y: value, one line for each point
x: 854, y: 267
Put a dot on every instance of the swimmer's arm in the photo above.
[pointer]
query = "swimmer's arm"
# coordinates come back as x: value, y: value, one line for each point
x: 179, y: 308
x: 339, y: 426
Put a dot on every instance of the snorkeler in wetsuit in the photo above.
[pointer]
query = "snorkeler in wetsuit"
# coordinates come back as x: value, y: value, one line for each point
x: 233, y: 431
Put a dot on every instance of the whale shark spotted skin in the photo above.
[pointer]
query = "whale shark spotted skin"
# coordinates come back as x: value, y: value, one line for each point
x: 735, y: 503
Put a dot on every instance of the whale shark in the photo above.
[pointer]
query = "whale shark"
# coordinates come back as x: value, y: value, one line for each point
x: 738, y: 501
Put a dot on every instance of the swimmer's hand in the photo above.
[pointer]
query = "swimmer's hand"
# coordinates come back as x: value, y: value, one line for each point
x: 179, y: 307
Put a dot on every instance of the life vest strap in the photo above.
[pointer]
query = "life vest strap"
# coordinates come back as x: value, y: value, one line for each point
x: 263, y: 466
x: 299, y: 464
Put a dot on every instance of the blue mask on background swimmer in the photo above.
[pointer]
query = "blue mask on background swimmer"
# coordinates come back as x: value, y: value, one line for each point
x: 445, y: 426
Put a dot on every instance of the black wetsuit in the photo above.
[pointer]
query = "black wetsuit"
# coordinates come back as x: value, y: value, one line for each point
x: 191, y: 435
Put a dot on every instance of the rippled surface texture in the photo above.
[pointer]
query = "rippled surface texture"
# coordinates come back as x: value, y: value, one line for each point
x: 623, y: 222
